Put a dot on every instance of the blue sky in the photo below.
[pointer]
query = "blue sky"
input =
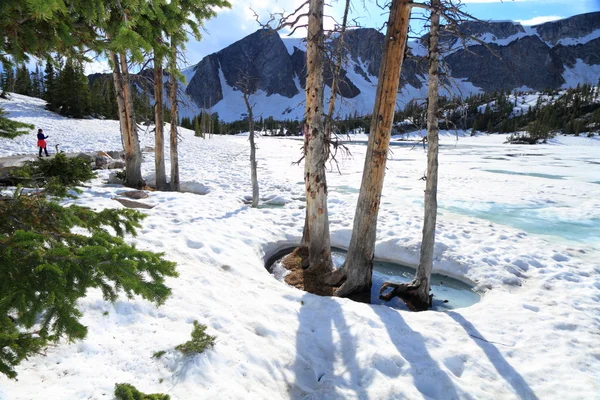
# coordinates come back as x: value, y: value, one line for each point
x: 232, y: 25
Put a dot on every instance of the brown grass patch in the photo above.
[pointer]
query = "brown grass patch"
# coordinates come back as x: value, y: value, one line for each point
x: 309, y: 279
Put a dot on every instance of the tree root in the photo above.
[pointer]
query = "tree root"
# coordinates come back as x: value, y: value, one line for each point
x: 407, y: 292
x: 335, y: 277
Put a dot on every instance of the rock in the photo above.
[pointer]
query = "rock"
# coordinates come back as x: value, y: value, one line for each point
x: 101, y: 162
x: 134, y: 204
x: 117, y: 155
x: 113, y: 179
x: 134, y: 194
x: 573, y: 27
x: 148, y: 149
x: 116, y: 164
x: 85, y: 156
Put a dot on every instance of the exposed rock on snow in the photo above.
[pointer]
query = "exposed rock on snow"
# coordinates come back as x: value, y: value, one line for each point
x: 134, y: 204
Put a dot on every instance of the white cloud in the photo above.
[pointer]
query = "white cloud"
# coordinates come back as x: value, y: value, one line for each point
x: 539, y: 20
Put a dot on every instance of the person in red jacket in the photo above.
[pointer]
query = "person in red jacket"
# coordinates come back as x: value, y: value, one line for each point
x: 42, y: 142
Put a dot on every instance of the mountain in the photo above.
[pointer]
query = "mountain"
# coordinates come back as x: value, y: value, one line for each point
x: 498, y: 56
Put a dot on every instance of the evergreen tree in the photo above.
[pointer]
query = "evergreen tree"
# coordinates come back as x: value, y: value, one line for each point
x: 37, y: 83
x: 50, y: 255
x: 49, y: 82
x: 72, y: 96
x: 7, y: 80
x: 23, y: 81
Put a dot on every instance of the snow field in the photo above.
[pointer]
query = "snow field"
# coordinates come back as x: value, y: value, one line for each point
x: 533, y: 335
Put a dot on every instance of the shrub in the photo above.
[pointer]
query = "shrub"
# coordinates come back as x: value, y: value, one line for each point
x: 57, y: 175
x: 200, y: 341
x: 125, y: 391
x: 51, y: 255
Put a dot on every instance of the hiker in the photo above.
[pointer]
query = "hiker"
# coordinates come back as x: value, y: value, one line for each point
x: 42, y: 142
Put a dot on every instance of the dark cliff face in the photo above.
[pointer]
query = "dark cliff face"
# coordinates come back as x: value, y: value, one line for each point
x: 258, y: 61
x: 263, y: 56
x: 525, y: 62
x: 345, y: 87
x: 205, y: 86
x: 589, y: 53
x: 575, y: 27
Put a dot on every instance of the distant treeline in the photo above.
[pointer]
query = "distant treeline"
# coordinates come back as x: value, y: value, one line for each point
x: 569, y: 111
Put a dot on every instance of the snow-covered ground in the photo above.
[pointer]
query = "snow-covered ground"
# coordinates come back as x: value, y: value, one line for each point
x: 521, y: 222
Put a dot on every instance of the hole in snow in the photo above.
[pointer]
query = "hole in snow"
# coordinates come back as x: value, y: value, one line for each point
x: 448, y: 293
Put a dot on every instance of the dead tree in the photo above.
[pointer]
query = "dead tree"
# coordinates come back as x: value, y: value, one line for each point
x: 356, y: 273
x: 416, y: 293
x: 246, y: 86
x: 315, y: 142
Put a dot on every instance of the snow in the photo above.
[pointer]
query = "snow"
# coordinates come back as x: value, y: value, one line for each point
x: 581, y: 73
x: 533, y: 335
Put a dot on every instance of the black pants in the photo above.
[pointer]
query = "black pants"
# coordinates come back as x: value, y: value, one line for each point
x: 43, y: 148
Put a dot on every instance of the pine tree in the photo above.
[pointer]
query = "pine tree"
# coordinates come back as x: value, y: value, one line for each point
x: 7, y: 80
x: 49, y: 83
x: 23, y: 81
x: 72, y: 96
x: 50, y: 255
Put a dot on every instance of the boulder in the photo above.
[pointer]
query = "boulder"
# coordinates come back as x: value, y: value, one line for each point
x: 134, y: 194
x: 113, y: 179
x: 101, y: 162
x: 85, y: 156
x: 134, y: 204
x: 116, y: 164
x: 117, y: 155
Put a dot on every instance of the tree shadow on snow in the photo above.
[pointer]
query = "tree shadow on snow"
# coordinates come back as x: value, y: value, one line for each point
x: 505, y: 370
x: 428, y: 377
x: 317, y: 351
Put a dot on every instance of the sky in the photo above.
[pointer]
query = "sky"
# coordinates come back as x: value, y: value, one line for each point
x: 233, y: 24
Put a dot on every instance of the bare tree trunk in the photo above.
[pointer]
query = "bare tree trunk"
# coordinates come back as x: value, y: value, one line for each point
x: 315, y: 180
x: 173, y: 87
x: 253, y: 173
x: 358, y: 267
x: 336, y: 75
x: 416, y: 293
x: 131, y: 144
x: 159, y: 121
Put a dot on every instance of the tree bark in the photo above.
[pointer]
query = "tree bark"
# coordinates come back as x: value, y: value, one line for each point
x: 173, y: 87
x: 253, y: 173
x: 358, y: 267
x: 131, y: 144
x: 159, y: 121
x: 416, y: 293
x: 337, y: 68
x: 315, y: 180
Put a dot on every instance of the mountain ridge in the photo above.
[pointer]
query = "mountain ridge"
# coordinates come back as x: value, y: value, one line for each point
x: 552, y: 55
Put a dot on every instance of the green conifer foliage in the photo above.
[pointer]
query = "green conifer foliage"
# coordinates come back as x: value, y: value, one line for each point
x: 23, y: 81
x: 57, y: 175
x: 51, y: 255
x: 200, y: 341
x: 125, y: 391
x: 11, y: 129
